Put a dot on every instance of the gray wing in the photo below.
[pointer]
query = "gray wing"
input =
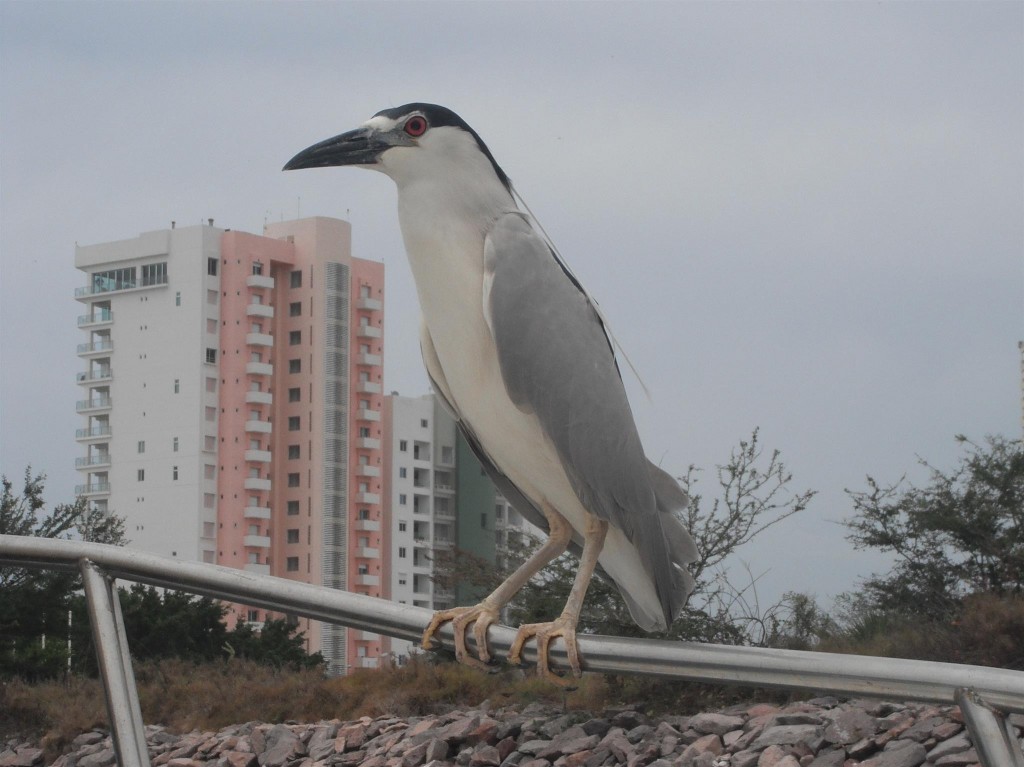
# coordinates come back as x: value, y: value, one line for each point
x: 557, y: 362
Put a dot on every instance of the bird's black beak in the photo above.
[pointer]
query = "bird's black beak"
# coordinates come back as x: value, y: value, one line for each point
x: 362, y: 146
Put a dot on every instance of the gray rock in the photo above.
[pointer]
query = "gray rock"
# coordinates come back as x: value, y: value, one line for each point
x: 955, y: 745
x: 834, y: 758
x: 958, y: 760
x: 911, y: 755
x: 282, y: 745
x: 533, y: 747
x: 715, y: 724
x: 850, y: 726
x: 791, y: 734
x: 102, y: 758
x: 745, y: 759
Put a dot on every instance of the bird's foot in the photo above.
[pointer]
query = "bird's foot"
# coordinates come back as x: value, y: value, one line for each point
x: 545, y: 632
x: 481, y: 616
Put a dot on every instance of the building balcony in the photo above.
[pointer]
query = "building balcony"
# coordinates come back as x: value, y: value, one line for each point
x: 368, y: 359
x: 368, y: 415
x: 368, y: 443
x: 252, y: 567
x: 368, y: 331
x: 369, y: 304
x: 97, y: 317
x: 96, y: 488
x: 95, y: 348
x: 258, y: 456
x: 367, y: 471
x: 89, y: 462
x: 257, y: 483
x: 367, y: 580
x: 85, y: 293
x: 93, y: 432
x: 96, y: 403
x: 365, y: 662
x: 259, y: 339
x: 368, y: 525
x: 259, y: 281
x: 259, y: 368
x: 260, y: 310
x: 259, y: 397
x: 368, y: 387
x: 444, y: 489
x: 368, y: 553
x: 259, y: 427
x: 94, y: 376
x: 367, y: 498
x: 256, y: 512
x: 256, y: 541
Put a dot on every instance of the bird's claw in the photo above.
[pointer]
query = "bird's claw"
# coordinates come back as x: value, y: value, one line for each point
x: 545, y: 633
x: 481, y: 616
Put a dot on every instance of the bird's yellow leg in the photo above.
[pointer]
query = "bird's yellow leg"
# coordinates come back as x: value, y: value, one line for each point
x: 488, y: 611
x: 565, y: 625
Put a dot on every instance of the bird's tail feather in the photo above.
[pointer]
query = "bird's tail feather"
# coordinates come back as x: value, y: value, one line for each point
x: 675, y: 582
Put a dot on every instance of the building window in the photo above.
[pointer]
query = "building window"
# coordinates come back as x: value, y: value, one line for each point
x: 293, y: 423
x: 364, y: 431
x: 294, y: 337
x: 177, y: 386
x: 294, y: 366
x: 142, y: 446
x: 401, y: 552
x: 154, y: 274
x: 177, y: 298
x: 293, y: 452
x: 295, y: 309
x: 403, y: 445
x: 174, y: 445
x: 295, y: 279
x: 211, y: 385
x: 401, y: 499
x: 211, y: 356
x: 293, y: 479
x: 253, y: 616
x: 257, y: 267
x: 401, y: 580
x: 209, y: 471
x: 364, y: 514
x: 293, y: 535
x: 293, y: 508
x: 292, y: 564
x: 211, y: 414
x: 401, y: 527
x: 294, y: 394
x: 141, y: 475
x: 174, y: 472
x: 211, y: 297
x: 211, y: 267
x: 402, y: 472
x: 423, y: 423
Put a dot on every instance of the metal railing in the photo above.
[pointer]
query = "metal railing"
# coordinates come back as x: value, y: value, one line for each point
x: 985, y: 695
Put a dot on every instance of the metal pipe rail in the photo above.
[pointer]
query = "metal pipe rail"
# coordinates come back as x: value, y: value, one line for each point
x: 984, y: 694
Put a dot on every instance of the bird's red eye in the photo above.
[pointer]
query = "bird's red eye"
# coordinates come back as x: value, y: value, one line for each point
x: 416, y: 126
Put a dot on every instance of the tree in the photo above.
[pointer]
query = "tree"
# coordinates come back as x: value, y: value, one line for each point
x: 961, y: 534
x: 34, y: 604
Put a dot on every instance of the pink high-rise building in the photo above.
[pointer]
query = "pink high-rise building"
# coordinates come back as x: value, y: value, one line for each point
x: 233, y: 400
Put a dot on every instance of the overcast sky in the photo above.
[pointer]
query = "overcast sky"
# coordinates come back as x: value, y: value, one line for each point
x: 807, y: 218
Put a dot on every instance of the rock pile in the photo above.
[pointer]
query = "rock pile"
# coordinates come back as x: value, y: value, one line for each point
x: 822, y: 732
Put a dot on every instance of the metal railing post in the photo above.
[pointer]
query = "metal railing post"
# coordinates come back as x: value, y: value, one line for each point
x: 990, y: 732
x: 115, y: 667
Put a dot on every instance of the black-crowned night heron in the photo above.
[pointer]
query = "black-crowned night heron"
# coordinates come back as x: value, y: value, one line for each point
x: 518, y: 352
